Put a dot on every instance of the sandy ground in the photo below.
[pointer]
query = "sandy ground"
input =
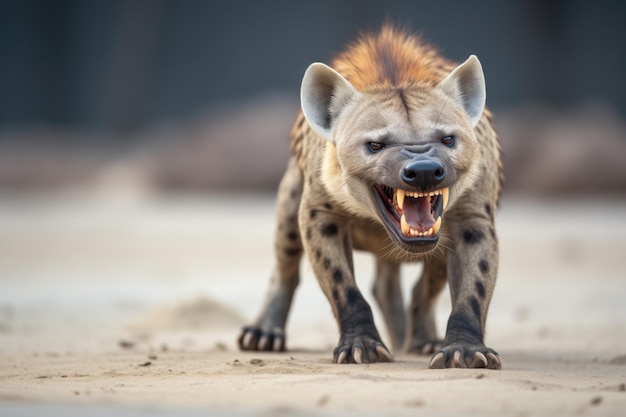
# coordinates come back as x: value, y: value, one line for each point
x: 131, y: 307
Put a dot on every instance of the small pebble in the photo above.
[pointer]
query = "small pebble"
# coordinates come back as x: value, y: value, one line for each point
x: 596, y: 400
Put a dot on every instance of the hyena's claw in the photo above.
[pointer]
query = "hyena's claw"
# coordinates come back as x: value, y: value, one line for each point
x: 342, y: 357
x: 361, y: 349
x: 465, y: 357
x: 494, y: 360
x: 255, y: 338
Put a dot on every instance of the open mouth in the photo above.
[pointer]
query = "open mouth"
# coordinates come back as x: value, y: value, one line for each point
x: 413, y: 216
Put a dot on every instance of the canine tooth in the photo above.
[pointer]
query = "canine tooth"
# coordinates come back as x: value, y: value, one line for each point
x: 436, y: 226
x: 429, y: 232
x: 400, y: 198
x: 445, y: 193
x: 406, y: 229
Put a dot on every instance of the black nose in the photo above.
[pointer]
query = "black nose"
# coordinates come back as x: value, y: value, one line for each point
x: 423, y: 173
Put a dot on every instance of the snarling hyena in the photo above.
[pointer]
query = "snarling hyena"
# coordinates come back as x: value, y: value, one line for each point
x: 395, y: 154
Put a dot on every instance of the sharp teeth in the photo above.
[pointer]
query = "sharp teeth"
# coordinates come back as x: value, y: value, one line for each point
x: 445, y: 193
x: 400, y: 198
x: 406, y: 229
x: 436, y: 226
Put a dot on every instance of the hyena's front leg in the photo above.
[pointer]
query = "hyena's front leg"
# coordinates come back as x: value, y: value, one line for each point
x: 268, y: 330
x: 472, y: 269
x: 327, y: 241
x: 388, y: 295
x: 421, y: 334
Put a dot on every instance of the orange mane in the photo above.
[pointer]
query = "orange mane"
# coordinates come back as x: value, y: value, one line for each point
x: 391, y: 58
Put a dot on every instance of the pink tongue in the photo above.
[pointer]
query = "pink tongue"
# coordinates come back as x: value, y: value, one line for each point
x: 417, y: 213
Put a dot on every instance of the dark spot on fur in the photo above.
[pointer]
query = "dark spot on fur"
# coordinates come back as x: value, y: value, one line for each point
x: 337, y: 275
x: 475, y: 307
x: 326, y: 263
x: 488, y: 209
x: 318, y: 254
x: 292, y: 235
x: 292, y: 251
x: 313, y: 213
x: 473, y: 236
x: 328, y: 206
x: 309, y: 234
x: 335, y: 295
x: 484, y: 266
x: 294, y: 193
x: 480, y: 289
x: 329, y: 230
x: 352, y: 296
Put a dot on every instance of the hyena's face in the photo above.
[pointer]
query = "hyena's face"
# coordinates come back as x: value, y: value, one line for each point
x: 401, y: 156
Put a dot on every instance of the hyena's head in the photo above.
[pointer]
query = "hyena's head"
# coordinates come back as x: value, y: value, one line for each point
x: 399, y: 156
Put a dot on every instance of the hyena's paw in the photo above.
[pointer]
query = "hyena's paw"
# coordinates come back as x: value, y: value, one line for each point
x: 427, y: 347
x: 361, y: 349
x: 256, y: 338
x: 456, y: 356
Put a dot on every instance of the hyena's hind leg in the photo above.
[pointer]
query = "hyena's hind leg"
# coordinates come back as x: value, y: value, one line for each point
x: 421, y: 333
x: 268, y: 330
x: 388, y: 296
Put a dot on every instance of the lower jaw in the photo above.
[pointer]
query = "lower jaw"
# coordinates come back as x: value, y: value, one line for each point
x: 413, y: 245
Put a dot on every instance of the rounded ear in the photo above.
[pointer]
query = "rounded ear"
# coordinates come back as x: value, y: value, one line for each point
x: 324, y: 94
x: 466, y: 85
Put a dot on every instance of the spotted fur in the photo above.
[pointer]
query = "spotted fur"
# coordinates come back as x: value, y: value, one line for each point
x: 393, y: 85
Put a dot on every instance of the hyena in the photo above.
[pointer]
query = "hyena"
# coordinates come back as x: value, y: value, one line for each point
x: 393, y: 152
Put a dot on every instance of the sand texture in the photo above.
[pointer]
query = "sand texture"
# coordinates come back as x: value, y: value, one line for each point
x: 132, y: 307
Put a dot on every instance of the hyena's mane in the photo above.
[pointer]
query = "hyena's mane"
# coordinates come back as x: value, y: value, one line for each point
x: 390, y: 58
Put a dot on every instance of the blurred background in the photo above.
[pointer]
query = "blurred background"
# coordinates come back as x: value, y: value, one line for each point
x: 135, y: 97
x: 141, y: 143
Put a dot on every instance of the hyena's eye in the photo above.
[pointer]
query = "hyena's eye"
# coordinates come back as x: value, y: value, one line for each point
x: 448, y: 141
x: 375, y: 147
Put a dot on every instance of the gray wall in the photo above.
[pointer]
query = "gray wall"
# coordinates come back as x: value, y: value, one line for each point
x: 120, y: 66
